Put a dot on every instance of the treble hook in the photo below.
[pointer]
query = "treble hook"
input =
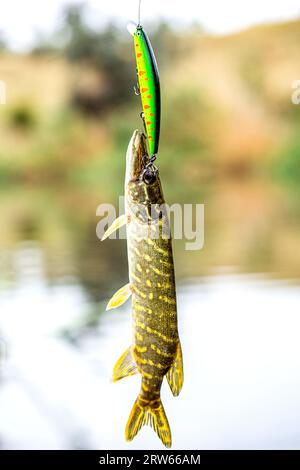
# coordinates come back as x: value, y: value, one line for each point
x: 142, y: 116
x: 150, y: 171
x: 137, y: 90
x: 148, y: 162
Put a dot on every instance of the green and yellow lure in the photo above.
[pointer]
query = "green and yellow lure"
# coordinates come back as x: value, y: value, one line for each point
x: 149, y: 85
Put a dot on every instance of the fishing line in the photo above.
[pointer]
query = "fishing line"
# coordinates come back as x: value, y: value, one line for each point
x: 139, y: 13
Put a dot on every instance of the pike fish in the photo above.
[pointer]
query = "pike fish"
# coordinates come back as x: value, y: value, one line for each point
x: 155, y: 351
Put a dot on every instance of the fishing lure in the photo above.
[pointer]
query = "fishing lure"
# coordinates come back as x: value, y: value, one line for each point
x: 155, y: 351
x: 148, y: 85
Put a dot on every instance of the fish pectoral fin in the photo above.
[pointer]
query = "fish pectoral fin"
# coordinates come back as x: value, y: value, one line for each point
x: 175, y: 373
x: 118, y: 223
x: 120, y: 297
x: 125, y: 366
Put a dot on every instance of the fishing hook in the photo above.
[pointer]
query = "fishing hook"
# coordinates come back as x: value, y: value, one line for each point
x: 137, y: 90
x: 142, y: 116
x: 148, y: 161
x: 150, y: 171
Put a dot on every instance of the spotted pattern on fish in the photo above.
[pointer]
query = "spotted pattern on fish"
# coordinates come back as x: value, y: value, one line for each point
x: 155, y: 351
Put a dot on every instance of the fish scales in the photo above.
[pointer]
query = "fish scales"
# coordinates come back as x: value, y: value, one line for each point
x: 155, y: 351
x: 151, y: 274
x: 154, y: 308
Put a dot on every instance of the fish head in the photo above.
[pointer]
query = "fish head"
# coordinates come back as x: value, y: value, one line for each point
x: 142, y: 182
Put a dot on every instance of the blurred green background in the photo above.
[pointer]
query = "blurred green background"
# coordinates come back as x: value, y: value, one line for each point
x: 229, y: 139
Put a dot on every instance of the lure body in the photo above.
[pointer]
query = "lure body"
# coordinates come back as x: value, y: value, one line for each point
x: 149, y: 86
x: 155, y: 351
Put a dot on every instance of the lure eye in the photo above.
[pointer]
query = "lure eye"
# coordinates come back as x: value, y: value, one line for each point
x: 149, y: 176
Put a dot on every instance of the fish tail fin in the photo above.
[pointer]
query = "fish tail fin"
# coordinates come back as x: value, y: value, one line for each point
x: 151, y: 413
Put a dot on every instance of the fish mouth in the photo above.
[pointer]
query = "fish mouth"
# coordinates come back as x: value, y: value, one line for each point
x: 136, y: 152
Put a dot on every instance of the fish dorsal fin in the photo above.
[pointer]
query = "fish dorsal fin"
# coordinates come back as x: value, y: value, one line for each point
x: 118, y: 223
x: 120, y: 297
x: 125, y: 366
x: 175, y: 373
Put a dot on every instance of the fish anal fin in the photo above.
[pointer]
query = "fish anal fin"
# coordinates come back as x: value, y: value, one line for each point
x: 125, y: 366
x: 175, y: 373
x: 120, y: 297
x: 118, y: 223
